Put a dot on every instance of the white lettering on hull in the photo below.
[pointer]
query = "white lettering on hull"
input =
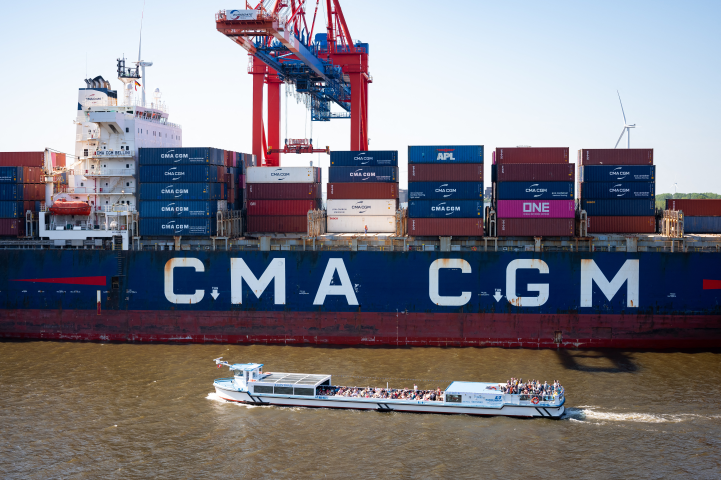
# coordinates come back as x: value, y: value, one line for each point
x: 345, y: 287
x: 433, y: 286
x: 186, y: 262
x: 627, y: 274
x: 239, y: 271
x: 541, y: 288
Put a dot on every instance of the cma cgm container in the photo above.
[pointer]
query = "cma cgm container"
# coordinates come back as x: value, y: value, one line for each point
x: 618, y: 190
x: 532, y: 155
x: 361, y: 207
x: 445, y: 190
x: 536, y: 209
x: 283, y: 191
x: 445, y: 227
x: 181, y: 191
x: 379, y: 158
x: 445, y: 154
x: 180, y: 173
x: 192, y: 227
x: 282, y: 207
x: 358, y: 224
x: 535, y: 227
x: 445, y: 208
x: 22, y: 159
x: 191, y: 208
x: 11, y: 191
x: 535, y: 172
x: 283, y: 174
x: 350, y: 191
x: 702, y: 224
x: 363, y: 175
x: 617, y: 173
x: 615, y: 156
x: 534, y: 190
x: 277, y: 224
x: 462, y: 172
x: 181, y: 156
x: 625, y: 208
x: 631, y: 224
x: 695, y: 207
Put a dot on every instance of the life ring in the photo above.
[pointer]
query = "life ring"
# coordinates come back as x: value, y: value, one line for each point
x: 535, y: 400
x: 492, y: 388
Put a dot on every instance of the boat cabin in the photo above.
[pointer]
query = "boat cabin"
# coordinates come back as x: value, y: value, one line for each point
x: 474, y: 393
x: 250, y: 377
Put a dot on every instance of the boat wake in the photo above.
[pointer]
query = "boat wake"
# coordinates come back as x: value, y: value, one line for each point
x: 592, y: 414
x: 217, y: 398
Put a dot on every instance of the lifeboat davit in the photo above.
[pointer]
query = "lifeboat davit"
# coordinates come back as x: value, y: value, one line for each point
x: 73, y: 207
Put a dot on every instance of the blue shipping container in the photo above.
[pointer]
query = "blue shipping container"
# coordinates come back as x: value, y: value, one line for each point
x: 379, y: 158
x: 9, y: 191
x: 701, y: 224
x: 164, y: 208
x: 621, y: 208
x: 362, y: 174
x: 11, y: 174
x: 445, y: 209
x: 445, y: 190
x: 617, y: 173
x: 9, y: 209
x: 191, y: 227
x: 618, y: 190
x: 179, y: 173
x: 181, y: 191
x: 445, y: 154
x: 181, y: 156
x: 534, y: 190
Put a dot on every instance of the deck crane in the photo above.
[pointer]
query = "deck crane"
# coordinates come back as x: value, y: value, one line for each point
x: 330, y: 68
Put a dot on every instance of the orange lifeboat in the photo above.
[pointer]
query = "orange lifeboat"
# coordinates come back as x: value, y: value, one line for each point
x: 64, y: 207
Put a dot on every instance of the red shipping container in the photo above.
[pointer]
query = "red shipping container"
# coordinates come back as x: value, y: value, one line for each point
x: 535, y: 172
x: 231, y: 196
x: 701, y: 207
x: 33, y: 191
x: 22, y: 159
x: 12, y: 227
x: 532, y: 155
x: 615, y: 156
x: 535, y: 227
x: 277, y: 224
x: 59, y: 159
x: 459, y: 172
x: 281, y: 207
x: 621, y: 225
x: 284, y: 191
x: 445, y: 227
x: 32, y: 175
x: 362, y: 191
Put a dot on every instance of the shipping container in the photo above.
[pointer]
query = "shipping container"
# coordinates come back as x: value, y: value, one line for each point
x: 535, y: 172
x: 10, y: 209
x: 181, y: 156
x: 60, y: 160
x: 534, y: 190
x: 378, y: 158
x: 535, y: 227
x: 615, y: 156
x: 445, y: 227
x: 22, y: 159
x: 282, y: 207
x: 536, y: 209
x: 618, y: 190
x: 702, y: 224
x: 350, y: 191
x: 695, y: 207
x: 165, y: 208
x: 445, y: 209
x: 283, y: 191
x: 11, y: 174
x: 448, y: 154
x: 617, y: 173
x: 363, y: 174
x: 338, y: 207
x: 462, y: 172
x: 189, y: 227
x: 445, y: 190
x: 32, y: 191
x: 31, y: 175
x: 277, y: 224
x: 11, y: 191
x: 621, y: 224
x: 613, y: 208
x: 179, y: 173
x: 532, y: 155
x: 282, y: 174
x: 356, y: 224
x: 12, y: 227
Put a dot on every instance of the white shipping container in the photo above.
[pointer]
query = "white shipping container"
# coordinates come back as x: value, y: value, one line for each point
x: 281, y: 174
x: 353, y: 224
x: 361, y: 207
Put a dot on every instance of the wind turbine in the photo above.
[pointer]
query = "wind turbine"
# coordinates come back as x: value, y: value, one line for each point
x: 626, y: 127
x: 141, y: 63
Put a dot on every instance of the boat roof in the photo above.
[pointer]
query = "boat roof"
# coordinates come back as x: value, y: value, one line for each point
x: 471, y: 387
x: 277, y: 378
x: 245, y: 366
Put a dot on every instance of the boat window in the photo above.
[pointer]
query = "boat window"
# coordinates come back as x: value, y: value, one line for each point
x: 262, y: 389
x: 304, y: 391
x: 453, y: 398
x: 284, y: 390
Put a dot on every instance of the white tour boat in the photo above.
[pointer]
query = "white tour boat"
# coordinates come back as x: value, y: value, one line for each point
x: 253, y: 386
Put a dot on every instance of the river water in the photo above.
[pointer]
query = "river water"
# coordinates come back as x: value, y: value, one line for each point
x: 88, y: 410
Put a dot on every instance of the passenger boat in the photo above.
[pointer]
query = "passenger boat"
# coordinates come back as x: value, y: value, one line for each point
x: 250, y: 385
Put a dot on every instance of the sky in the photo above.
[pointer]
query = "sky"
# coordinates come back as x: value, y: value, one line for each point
x: 498, y: 74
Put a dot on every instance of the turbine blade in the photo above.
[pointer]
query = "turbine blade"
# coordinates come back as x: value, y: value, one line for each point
x: 624, y: 113
x: 619, y: 138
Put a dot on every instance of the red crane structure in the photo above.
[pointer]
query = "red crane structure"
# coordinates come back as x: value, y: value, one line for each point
x: 328, y: 69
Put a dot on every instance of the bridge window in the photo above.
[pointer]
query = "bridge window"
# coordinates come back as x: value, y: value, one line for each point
x: 127, y: 130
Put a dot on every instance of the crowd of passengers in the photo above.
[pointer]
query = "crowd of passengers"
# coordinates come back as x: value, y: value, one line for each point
x: 386, y: 393
x: 516, y: 386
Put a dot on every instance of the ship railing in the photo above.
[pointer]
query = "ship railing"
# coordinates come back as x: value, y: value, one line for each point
x: 99, y: 190
x: 527, y: 399
x: 110, y: 172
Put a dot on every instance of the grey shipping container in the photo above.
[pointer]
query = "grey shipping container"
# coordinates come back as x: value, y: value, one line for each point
x: 181, y: 191
x: 180, y: 156
x: 617, y: 173
x: 445, y: 154
x: 362, y: 174
x: 180, y: 173
x: 445, y: 209
x: 165, y: 208
x: 445, y: 190
x: 620, y: 208
x: 377, y: 158
x: 191, y: 227
x: 702, y: 224
x: 534, y: 190
x: 618, y: 190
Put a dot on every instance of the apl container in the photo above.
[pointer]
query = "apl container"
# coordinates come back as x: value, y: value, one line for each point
x: 283, y: 191
x: 361, y: 207
x: 180, y: 173
x: 191, y: 208
x: 282, y: 207
x: 181, y: 156
x: 359, y: 224
x: 536, y: 209
x: 378, y: 158
x: 277, y: 224
x: 695, y: 207
x: 618, y: 190
x: 620, y: 208
x: 462, y: 172
x: 283, y: 174
x: 190, y: 227
x: 445, y: 190
x: 363, y: 175
x: 615, y: 156
x: 10, y: 209
x: 702, y: 224
x: 535, y: 227
x: 615, y: 224
x: 534, y: 190
x: 535, y: 172
x: 445, y: 208
x: 532, y: 155
x: 445, y: 154
x: 445, y: 227
x: 11, y: 191
x: 350, y: 191
x: 181, y: 191
x: 617, y: 173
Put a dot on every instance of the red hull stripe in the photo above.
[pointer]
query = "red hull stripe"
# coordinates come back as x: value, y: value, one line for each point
x: 99, y: 281
x: 712, y: 284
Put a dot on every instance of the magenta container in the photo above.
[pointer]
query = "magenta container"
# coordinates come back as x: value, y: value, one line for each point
x: 536, y: 209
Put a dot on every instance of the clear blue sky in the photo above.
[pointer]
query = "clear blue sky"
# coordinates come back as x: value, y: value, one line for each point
x: 493, y: 73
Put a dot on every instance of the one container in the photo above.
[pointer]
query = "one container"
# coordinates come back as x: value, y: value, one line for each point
x: 445, y: 227
x: 695, y: 207
x: 179, y: 173
x: 282, y: 174
x: 615, y: 156
x: 535, y: 227
x: 363, y: 174
x: 378, y: 158
x: 617, y: 173
x: 12, y: 227
x: 445, y: 154
x: 613, y: 208
x: 534, y: 190
x: 338, y: 207
x: 22, y: 159
x: 350, y: 191
x: 618, y: 190
x: 536, y: 209
x: 358, y: 224
x: 191, y: 227
x: 11, y: 175
x: 702, y: 224
x: 462, y: 172
x: 277, y: 224
x: 616, y: 224
x: 445, y: 209
x: 10, y: 209
x: 535, y: 172
x: 31, y: 175
x: 11, y: 191
x: 181, y: 191
x: 445, y: 190
x: 191, y: 208
x: 32, y: 191
x: 283, y: 191
x: 181, y: 156
x: 532, y: 155
x: 282, y: 207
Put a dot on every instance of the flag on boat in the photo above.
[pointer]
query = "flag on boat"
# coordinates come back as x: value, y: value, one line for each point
x: 137, y: 85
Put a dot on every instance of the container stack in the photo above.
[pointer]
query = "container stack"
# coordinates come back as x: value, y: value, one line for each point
x: 533, y: 192
x: 699, y: 215
x: 21, y: 189
x: 445, y: 191
x: 618, y: 189
x: 279, y: 198
x: 362, y: 192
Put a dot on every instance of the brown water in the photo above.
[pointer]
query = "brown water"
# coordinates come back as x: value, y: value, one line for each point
x: 138, y: 411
